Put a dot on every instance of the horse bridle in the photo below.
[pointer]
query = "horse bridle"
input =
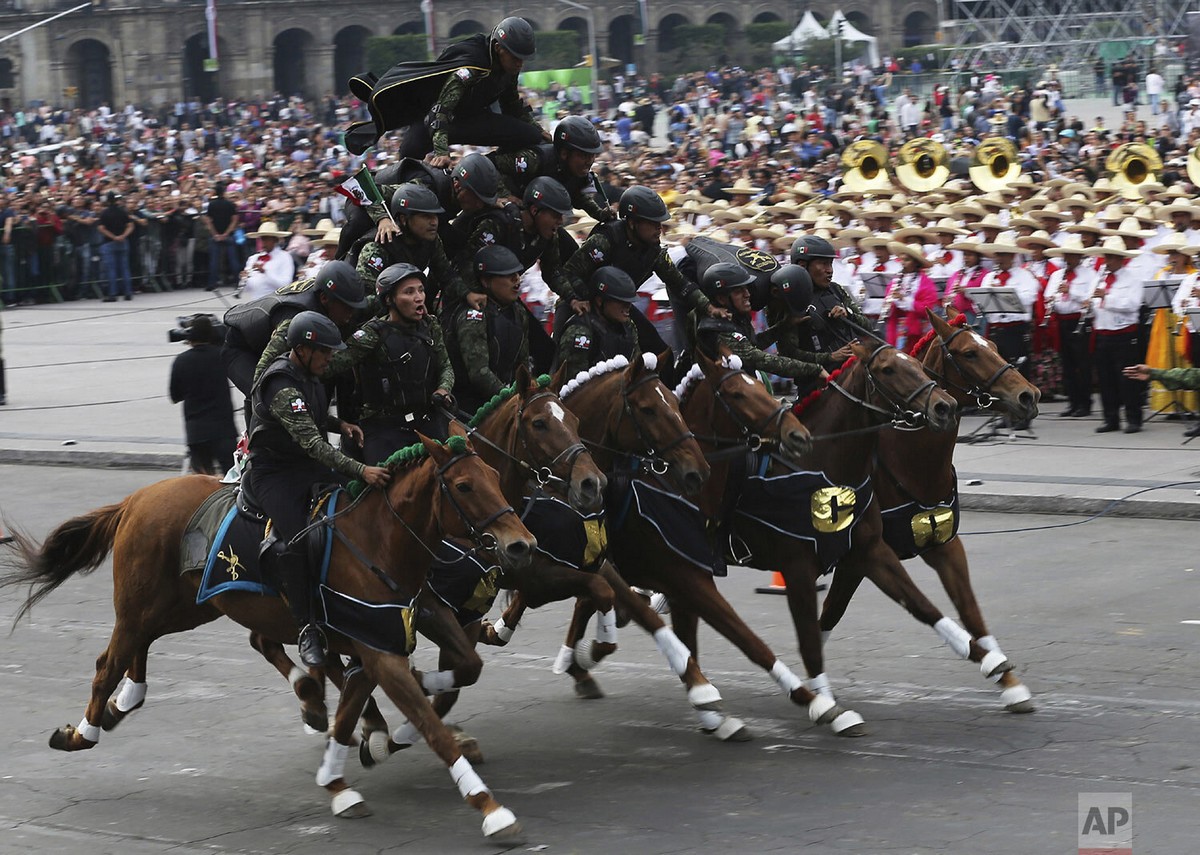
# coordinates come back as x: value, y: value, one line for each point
x: 755, y: 436
x: 546, y: 475
x: 901, y: 412
x: 983, y: 395
x: 654, y: 458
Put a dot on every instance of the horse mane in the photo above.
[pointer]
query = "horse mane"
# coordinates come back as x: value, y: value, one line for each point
x: 918, y: 349
x: 696, y: 374
x: 404, y: 457
x: 608, y: 366
x: 812, y: 397
x: 489, y: 407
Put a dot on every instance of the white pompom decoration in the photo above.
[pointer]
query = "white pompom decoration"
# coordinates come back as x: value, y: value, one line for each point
x: 650, y: 360
x: 597, y: 370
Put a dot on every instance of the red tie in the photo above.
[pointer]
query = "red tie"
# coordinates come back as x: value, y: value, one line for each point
x: 947, y: 258
x: 1108, y: 281
x: 265, y: 257
x: 1004, y: 274
x: 879, y: 268
x: 1069, y: 276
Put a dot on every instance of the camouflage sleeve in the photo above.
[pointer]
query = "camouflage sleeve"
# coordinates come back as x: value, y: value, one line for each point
x: 1177, y: 378
x: 441, y: 356
x: 577, y: 272
x: 453, y: 289
x: 378, y: 210
x: 473, y: 343
x: 852, y: 307
x: 591, y: 205
x: 371, y: 262
x: 276, y: 348
x: 359, y: 347
x: 574, y: 350
x: 516, y: 168
x: 442, y: 112
x: 755, y: 359
x: 552, y: 268
x: 677, y: 285
x: 291, y: 411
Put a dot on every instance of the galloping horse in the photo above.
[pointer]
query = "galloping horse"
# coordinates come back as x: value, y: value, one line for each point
x: 380, y: 555
x: 917, y: 487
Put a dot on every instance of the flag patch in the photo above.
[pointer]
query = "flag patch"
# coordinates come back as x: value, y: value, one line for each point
x: 463, y: 74
x: 375, y: 263
x: 583, y: 343
x: 299, y: 405
x: 474, y: 314
x: 360, y: 335
x: 521, y: 164
x: 597, y: 255
x: 489, y: 238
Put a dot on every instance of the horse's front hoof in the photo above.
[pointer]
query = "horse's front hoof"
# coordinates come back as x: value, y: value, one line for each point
x: 374, y: 749
x: 588, y: 689
x: 501, y: 826
x: 68, y: 738
x: 732, y: 729
x: 467, y: 744
x: 349, y: 804
x: 848, y: 723
x: 1017, y: 699
x: 316, y: 719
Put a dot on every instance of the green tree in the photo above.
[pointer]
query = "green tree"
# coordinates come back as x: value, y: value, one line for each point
x: 385, y: 51
x: 556, y: 49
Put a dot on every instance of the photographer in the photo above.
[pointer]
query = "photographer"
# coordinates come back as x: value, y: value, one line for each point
x: 198, y: 381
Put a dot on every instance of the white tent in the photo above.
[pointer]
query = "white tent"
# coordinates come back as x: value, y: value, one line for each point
x: 809, y: 28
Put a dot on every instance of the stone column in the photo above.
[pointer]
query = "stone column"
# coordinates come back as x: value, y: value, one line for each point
x: 318, y: 70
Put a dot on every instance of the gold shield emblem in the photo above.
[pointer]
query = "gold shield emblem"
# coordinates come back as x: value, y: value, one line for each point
x: 756, y: 259
x: 597, y: 541
x: 832, y: 508
x: 932, y: 527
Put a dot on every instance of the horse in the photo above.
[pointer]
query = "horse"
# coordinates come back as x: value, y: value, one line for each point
x: 917, y: 487
x: 380, y: 554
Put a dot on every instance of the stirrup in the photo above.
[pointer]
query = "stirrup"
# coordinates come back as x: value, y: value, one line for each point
x: 312, y: 644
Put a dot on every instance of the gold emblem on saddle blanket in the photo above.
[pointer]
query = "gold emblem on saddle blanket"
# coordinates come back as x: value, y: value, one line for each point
x: 932, y: 526
x: 235, y: 563
x: 756, y: 259
x: 597, y: 541
x: 833, y: 508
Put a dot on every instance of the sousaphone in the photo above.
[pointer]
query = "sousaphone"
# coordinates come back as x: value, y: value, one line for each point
x: 994, y: 164
x: 1132, y: 165
x: 922, y: 165
x: 864, y: 167
x: 1193, y: 165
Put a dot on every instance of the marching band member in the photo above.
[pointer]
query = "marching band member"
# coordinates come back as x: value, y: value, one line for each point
x: 909, y: 294
x: 1010, y: 330
x: 1067, y: 290
x: 324, y: 249
x: 1167, y: 348
x: 970, y: 275
x: 1047, y: 366
x: 876, y: 261
x: 946, y: 261
x: 1115, y: 304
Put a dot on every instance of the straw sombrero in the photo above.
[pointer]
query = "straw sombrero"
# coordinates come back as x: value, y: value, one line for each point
x: 269, y: 230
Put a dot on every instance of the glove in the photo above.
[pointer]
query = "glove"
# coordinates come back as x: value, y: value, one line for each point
x: 445, y: 400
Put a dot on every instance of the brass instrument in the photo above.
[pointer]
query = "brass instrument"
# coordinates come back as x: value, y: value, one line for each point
x: 1084, y: 325
x: 1193, y: 165
x: 864, y: 167
x: 994, y: 164
x: 1132, y: 165
x: 921, y: 165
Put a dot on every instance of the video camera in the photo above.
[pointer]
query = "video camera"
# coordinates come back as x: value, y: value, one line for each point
x: 197, y: 327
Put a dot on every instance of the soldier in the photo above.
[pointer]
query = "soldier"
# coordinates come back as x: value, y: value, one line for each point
x: 415, y: 210
x: 289, y: 453
x: 487, y: 344
x: 605, y: 331
x: 402, y: 366
x: 567, y: 159
x: 448, y: 101
x: 727, y: 285
x: 360, y: 220
x: 792, y: 296
x: 831, y: 304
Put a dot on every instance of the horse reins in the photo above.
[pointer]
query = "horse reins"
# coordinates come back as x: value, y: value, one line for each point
x: 754, y: 437
x: 983, y: 396
x: 901, y: 415
x: 653, y: 458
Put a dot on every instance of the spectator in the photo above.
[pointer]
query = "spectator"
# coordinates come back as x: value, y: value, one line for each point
x: 115, y: 228
x: 198, y: 382
x: 221, y: 219
x: 1154, y: 90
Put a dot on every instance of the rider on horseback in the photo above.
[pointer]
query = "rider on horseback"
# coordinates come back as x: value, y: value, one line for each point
x: 289, y: 454
x: 605, y: 331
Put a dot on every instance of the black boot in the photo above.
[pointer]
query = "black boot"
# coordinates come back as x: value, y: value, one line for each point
x: 3, y: 400
x: 297, y: 587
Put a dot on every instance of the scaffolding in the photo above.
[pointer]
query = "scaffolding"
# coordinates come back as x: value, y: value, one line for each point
x: 1068, y: 33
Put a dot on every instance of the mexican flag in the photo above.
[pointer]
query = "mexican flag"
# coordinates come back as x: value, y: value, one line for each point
x: 360, y: 188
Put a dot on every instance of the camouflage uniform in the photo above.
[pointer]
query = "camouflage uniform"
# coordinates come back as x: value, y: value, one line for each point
x: 486, y: 346
x: 588, y: 339
x: 1177, y: 378
x: 738, y: 335
x: 518, y: 168
x: 424, y: 255
x: 458, y: 88
x: 506, y: 230
x: 816, y: 340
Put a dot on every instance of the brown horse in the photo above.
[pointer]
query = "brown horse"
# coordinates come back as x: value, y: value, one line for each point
x: 381, y: 555
x: 916, y: 485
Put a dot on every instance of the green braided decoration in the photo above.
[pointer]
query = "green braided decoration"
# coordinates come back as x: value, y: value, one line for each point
x: 499, y: 398
x: 411, y: 454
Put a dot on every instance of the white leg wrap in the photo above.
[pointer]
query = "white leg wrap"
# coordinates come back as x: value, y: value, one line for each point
x: 469, y: 784
x: 990, y: 662
x: 377, y: 745
x: 497, y: 821
x: 819, y: 685
x: 344, y: 800
x: 728, y: 728
x: 675, y: 650
x: 703, y: 695
x: 503, y: 631
x: 785, y: 678
x: 296, y: 675
x: 825, y: 633
x: 437, y: 682
x: 845, y: 720
x: 660, y: 604
x: 583, y: 655
x: 954, y: 635
x: 563, y: 661
x: 333, y: 766
x: 90, y: 732
x: 1017, y: 694
x: 131, y: 695
x: 710, y: 720
x: 988, y: 642
x: 820, y: 705
x: 406, y: 734
x: 606, y: 627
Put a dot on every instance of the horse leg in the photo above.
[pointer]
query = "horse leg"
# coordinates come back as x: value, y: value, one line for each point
x: 456, y: 657
x: 442, y: 704
x: 685, y: 625
x: 950, y: 562
x: 501, y: 632
x: 308, y: 688
x: 575, y: 656
x: 356, y: 688
x: 123, y: 648
x: 132, y: 692
x: 393, y: 675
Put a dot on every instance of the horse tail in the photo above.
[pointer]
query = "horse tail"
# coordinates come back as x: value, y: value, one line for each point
x: 79, y: 545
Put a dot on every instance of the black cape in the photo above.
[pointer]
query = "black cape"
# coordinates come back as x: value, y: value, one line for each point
x: 408, y: 90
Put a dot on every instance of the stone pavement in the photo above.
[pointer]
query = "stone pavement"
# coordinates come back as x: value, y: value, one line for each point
x: 87, y: 386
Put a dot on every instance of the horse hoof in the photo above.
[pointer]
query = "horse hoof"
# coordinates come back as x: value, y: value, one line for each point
x: 349, y: 804
x: 374, y: 749
x: 467, y: 744
x: 588, y: 689
x: 704, y: 696
x: 112, y: 716
x: 848, y: 723
x: 732, y: 729
x: 501, y: 826
x: 1017, y: 699
x: 316, y: 720
x: 60, y: 740
x: 994, y: 664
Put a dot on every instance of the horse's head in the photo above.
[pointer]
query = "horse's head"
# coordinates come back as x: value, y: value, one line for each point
x: 548, y: 434
x: 897, y: 385
x: 745, y: 408
x: 973, y: 371
x: 470, y: 505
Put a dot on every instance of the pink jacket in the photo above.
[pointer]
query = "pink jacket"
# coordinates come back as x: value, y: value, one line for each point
x: 912, y: 324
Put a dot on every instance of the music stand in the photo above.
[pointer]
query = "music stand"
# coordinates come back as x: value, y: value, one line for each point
x: 1159, y: 294
x: 995, y: 300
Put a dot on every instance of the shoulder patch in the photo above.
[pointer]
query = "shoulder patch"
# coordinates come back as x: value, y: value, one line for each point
x: 375, y: 262
x: 463, y: 74
x: 299, y: 405
x: 583, y: 342
x: 359, y: 335
x: 597, y: 255
x: 489, y: 238
x: 737, y: 336
x: 521, y: 164
x: 474, y: 314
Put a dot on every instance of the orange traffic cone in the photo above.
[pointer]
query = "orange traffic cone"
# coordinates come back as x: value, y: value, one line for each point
x: 776, y: 587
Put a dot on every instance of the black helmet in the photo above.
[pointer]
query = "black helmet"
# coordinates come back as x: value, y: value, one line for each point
x: 410, y: 198
x: 545, y: 192
x: 340, y: 280
x: 497, y: 261
x: 479, y: 175
x: 315, y: 330
x: 644, y: 204
x: 613, y: 283
x: 577, y: 132
x: 811, y: 246
x: 795, y: 285
x: 515, y: 35
x: 392, y: 276
x: 723, y: 277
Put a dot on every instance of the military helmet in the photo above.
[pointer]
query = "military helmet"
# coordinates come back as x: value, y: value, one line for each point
x: 497, y: 261
x: 811, y: 246
x: 578, y: 133
x: 340, y: 280
x: 644, y: 204
x: 545, y: 192
x: 612, y: 283
x: 723, y: 277
x: 391, y: 277
x: 415, y: 198
x: 515, y: 35
x: 478, y: 174
x: 795, y: 285
x: 315, y: 330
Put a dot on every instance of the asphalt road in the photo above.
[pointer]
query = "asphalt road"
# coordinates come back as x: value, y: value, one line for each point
x: 217, y: 762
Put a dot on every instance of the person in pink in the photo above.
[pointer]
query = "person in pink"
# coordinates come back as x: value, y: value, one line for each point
x: 909, y: 294
x: 970, y: 275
